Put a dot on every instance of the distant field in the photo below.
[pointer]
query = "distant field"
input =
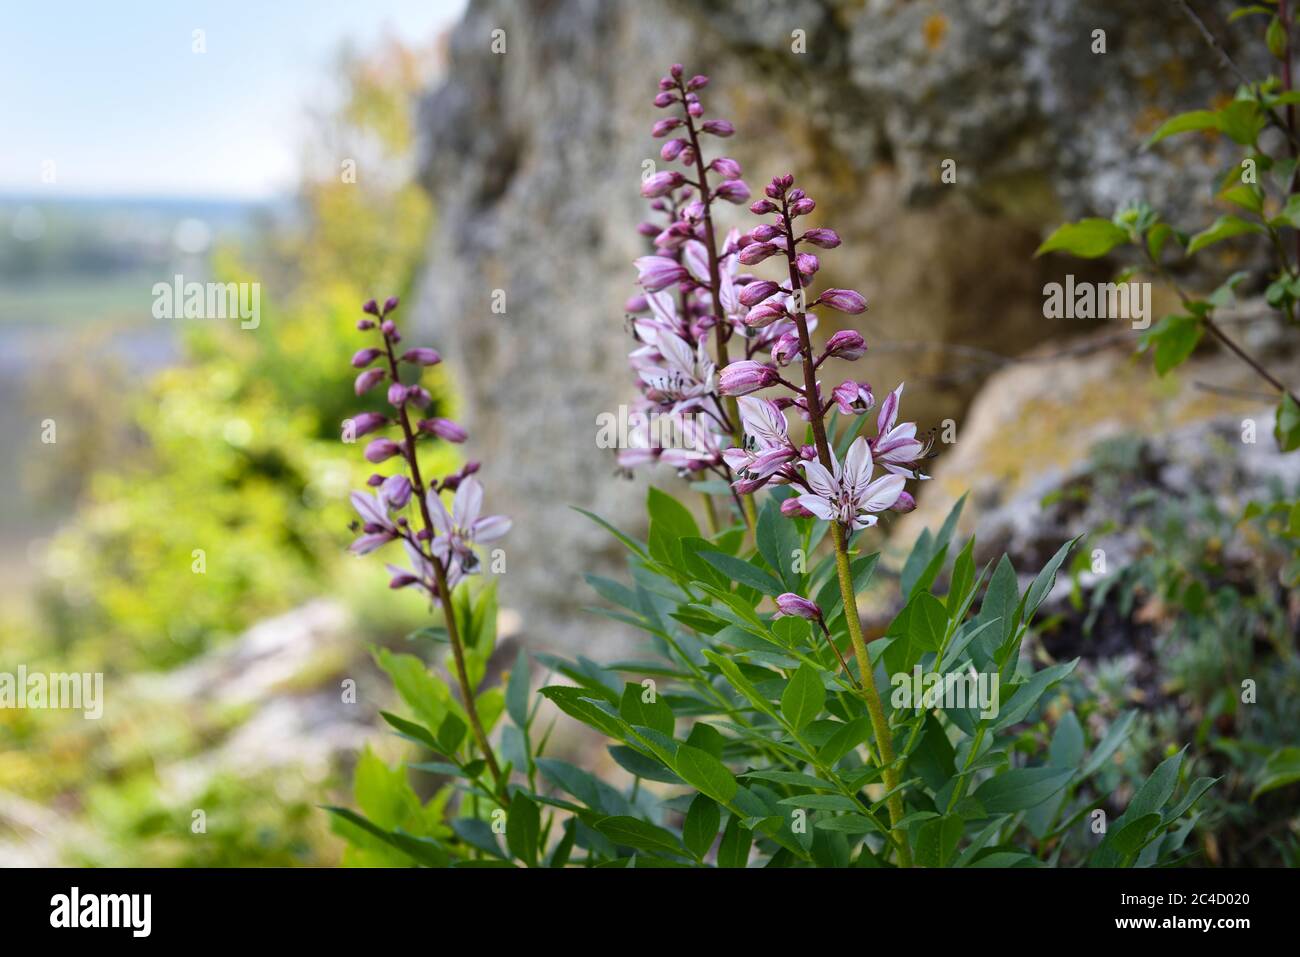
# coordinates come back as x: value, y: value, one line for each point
x: 61, y: 300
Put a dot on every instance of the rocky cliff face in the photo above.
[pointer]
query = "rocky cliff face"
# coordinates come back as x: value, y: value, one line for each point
x: 534, y: 155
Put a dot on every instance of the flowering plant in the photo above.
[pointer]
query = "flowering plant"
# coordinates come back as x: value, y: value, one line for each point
x: 758, y: 732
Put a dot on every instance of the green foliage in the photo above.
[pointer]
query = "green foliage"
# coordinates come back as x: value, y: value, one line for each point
x: 1269, y: 213
x: 748, y: 743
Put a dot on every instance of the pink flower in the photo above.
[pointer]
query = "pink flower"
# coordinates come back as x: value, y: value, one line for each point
x: 767, y: 442
x: 458, y: 531
x: 853, y: 398
x: 848, y: 495
x: 896, y: 446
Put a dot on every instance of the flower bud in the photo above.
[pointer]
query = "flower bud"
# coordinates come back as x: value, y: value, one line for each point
x: 726, y: 167
x: 390, y: 304
x: 718, y: 127
x: 764, y: 233
x: 665, y: 99
x: 753, y: 254
x: 365, y: 324
x: 396, y: 490
x: 676, y: 70
x: 665, y: 126
x: 380, y: 450
x: 636, y: 304
x: 422, y: 357
x: 658, y: 272
x: 698, y: 82
x: 363, y: 423
x: 762, y: 207
x: 366, y: 356
x: 823, y: 237
x: 672, y: 149
x: 764, y: 314
x: 396, y: 395
x: 802, y: 207
x: 694, y: 107
x: 366, y: 381
x: 792, y: 605
x: 444, y: 429
x: 792, y: 509
x: 756, y: 292
x: 786, y: 349
x: 733, y: 191
x: 807, y: 264
x: 375, y: 480
x: 746, y: 376
x: 846, y: 344
x: 661, y: 183
x: 371, y: 307
x: 904, y: 503
x: 843, y: 300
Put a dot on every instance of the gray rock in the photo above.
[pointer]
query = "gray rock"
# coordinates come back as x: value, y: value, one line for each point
x: 533, y: 157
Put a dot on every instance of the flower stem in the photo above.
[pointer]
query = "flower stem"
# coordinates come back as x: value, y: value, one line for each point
x: 720, y: 331
x: 879, y: 723
x: 870, y: 694
x: 444, y: 596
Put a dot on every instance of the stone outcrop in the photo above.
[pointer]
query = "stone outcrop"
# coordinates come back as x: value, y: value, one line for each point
x: 533, y: 156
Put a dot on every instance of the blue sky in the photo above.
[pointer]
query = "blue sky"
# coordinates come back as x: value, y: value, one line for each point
x: 112, y: 93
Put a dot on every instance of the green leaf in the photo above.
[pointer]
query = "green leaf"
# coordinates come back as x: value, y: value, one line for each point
x: 777, y: 537
x: 1184, y: 123
x: 742, y: 571
x: 670, y: 521
x: 1020, y: 789
x: 927, y: 621
x: 1088, y: 238
x: 1287, y: 429
x: 705, y: 773
x: 517, y: 690
x: 424, y: 694
x: 655, y: 713
x: 631, y: 543
x: 734, y: 849
x: 1246, y: 196
x: 1067, y: 742
x: 415, y: 732
x: 1116, y: 735
x: 1275, y: 38
x: 701, y: 825
x: 1025, y: 695
x: 936, y: 842
x: 1175, y: 338
x: 1225, y: 227
x: 1241, y: 121
x: 574, y: 703
x: 634, y: 832
x: 1281, y: 768
x: 804, y: 696
x: 523, y: 827
x: 423, y: 850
